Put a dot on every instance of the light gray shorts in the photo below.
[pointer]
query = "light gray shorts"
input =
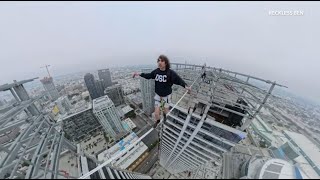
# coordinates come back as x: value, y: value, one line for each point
x: 166, y: 99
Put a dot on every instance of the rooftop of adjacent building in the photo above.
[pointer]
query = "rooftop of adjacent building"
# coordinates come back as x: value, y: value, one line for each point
x: 47, y: 80
x: 306, y: 170
x: 68, y: 165
x: 128, y: 124
x: 76, y: 113
x: 103, y: 70
x: 120, y: 146
x: 63, y: 98
x: 277, y: 169
x: 131, y: 154
x: 127, y: 109
x: 102, y: 102
x: 309, y: 149
x: 274, y: 137
x: 114, y: 86
x: 210, y: 170
x: 237, y: 156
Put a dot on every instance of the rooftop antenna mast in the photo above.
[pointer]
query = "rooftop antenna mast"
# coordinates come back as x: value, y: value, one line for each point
x: 46, y: 66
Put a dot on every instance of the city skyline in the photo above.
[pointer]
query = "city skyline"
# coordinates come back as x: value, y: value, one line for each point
x: 287, y: 91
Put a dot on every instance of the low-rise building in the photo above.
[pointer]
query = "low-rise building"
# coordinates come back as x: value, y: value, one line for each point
x: 130, y: 123
x: 130, y: 157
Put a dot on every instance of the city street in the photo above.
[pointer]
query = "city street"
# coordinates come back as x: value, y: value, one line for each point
x: 147, y: 119
x: 147, y: 164
x: 143, y: 130
x: 139, y: 122
x: 151, y: 138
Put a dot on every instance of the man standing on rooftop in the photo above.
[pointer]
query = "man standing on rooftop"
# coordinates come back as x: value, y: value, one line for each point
x: 164, y: 79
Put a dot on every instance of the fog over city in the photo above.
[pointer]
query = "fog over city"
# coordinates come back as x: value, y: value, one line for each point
x: 238, y: 36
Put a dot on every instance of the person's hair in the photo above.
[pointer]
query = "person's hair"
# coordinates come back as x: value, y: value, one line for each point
x: 166, y: 60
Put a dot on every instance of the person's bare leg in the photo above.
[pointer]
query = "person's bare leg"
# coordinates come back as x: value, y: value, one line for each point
x: 157, y: 115
x: 166, y: 110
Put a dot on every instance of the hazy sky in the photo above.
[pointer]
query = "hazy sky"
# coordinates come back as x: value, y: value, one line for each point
x: 239, y: 36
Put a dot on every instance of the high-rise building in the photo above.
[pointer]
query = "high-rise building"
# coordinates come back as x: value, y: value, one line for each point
x: 63, y: 104
x: 100, y: 87
x: 148, y: 93
x: 210, y: 120
x: 92, y: 87
x: 106, y: 113
x: 50, y: 88
x: 105, y: 76
x: 80, y: 125
x: 115, y: 93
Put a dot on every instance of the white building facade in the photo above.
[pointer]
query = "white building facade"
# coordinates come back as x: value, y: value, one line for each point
x: 105, y: 111
x: 148, y: 93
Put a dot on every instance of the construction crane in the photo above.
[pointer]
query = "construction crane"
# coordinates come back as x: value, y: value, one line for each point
x: 46, y: 66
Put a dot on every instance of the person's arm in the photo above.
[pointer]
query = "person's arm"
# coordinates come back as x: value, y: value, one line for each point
x: 176, y: 79
x: 149, y: 75
x: 146, y: 75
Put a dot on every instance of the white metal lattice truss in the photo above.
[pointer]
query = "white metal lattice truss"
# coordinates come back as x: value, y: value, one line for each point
x: 37, y: 150
x: 34, y: 152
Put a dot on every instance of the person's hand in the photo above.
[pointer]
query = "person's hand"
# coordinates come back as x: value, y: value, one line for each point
x: 135, y: 74
x: 188, y: 88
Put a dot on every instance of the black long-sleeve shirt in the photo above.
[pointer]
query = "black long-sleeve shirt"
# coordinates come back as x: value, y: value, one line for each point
x: 162, y: 83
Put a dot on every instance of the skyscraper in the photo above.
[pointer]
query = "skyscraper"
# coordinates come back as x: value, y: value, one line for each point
x: 92, y: 86
x: 63, y: 104
x: 115, y: 93
x: 105, y: 111
x: 210, y: 120
x: 50, y: 88
x: 148, y: 93
x: 80, y: 125
x: 105, y: 76
x: 100, y: 87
